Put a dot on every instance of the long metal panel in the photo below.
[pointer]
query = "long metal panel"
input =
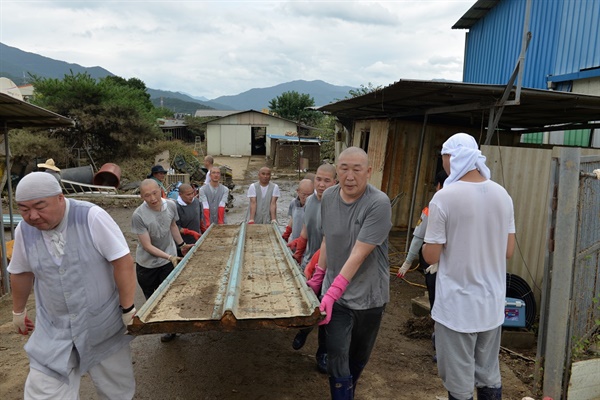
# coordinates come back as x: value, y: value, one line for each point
x: 562, y: 273
x: 525, y: 173
x: 235, y: 277
x: 586, y: 287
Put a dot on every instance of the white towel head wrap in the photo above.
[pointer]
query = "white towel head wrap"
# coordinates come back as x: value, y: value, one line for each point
x: 464, y: 157
x: 37, y: 185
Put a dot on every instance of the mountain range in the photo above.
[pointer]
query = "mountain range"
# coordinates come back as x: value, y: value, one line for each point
x: 17, y: 64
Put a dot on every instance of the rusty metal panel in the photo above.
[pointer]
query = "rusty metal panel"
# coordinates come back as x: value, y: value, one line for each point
x: 235, y: 277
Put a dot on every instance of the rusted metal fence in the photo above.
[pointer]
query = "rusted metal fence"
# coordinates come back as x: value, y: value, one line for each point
x: 571, y: 289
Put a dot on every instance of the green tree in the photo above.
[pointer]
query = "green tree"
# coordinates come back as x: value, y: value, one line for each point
x: 362, y: 90
x: 112, y: 115
x: 196, y: 126
x: 296, y: 107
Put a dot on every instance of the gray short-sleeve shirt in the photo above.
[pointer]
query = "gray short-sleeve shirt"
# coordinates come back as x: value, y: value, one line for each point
x: 158, y: 226
x: 369, y: 220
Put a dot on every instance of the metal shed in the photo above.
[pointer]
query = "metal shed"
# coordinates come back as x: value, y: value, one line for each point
x: 17, y: 114
x: 245, y: 133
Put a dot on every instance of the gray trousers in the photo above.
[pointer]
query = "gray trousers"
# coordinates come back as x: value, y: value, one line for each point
x: 467, y: 360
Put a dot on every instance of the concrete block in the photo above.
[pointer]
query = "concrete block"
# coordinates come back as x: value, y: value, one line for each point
x: 517, y: 339
x: 420, y: 306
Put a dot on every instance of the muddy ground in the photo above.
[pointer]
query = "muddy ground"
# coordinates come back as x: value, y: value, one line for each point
x: 261, y: 364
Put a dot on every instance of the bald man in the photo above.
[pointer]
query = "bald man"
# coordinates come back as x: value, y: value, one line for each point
x: 189, y: 211
x: 263, y: 197
x: 353, y: 269
x: 155, y: 224
x: 76, y: 259
x: 214, y: 199
x: 296, y: 210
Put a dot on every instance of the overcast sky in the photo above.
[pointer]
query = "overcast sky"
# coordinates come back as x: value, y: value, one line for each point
x: 215, y: 48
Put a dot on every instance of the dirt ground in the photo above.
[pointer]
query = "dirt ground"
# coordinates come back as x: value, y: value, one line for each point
x: 262, y: 364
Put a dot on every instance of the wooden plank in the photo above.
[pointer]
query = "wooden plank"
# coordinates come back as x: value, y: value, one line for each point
x: 584, y: 383
x: 209, y: 291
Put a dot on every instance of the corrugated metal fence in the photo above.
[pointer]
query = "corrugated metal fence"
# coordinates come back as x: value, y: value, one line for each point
x: 571, y: 290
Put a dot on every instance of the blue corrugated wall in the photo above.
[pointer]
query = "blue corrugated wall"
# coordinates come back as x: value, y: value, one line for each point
x: 565, y: 39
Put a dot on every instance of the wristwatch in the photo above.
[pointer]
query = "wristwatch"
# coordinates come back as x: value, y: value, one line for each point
x: 126, y: 310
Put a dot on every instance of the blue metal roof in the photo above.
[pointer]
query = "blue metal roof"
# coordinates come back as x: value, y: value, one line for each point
x: 297, y: 139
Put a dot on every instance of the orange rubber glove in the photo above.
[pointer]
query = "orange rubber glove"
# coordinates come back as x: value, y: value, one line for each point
x: 186, y: 231
x: 299, y: 244
x: 221, y: 216
x: 287, y: 233
x: 206, y: 220
x: 310, y: 267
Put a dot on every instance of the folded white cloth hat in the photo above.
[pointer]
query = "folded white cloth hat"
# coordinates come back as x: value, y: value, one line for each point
x: 464, y: 157
x: 37, y: 185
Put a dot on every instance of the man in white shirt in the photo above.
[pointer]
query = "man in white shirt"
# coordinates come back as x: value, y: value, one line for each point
x: 470, y: 234
x: 263, y: 197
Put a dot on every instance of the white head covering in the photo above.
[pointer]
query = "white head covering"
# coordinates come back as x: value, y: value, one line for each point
x: 37, y: 185
x: 464, y: 157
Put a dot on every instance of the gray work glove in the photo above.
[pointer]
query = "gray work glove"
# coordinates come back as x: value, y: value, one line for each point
x: 404, y: 269
x: 128, y: 317
x: 432, y: 269
x: 174, y: 260
x: 22, y: 323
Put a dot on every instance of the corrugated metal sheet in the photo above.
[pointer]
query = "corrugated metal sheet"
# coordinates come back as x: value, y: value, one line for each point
x: 525, y: 174
x: 586, y: 286
x: 578, y: 45
x: 565, y: 40
x: 494, y: 44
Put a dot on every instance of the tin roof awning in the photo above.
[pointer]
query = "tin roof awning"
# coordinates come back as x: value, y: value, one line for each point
x: 475, y: 13
x: 467, y: 104
x: 16, y: 114
x: 296, y: 139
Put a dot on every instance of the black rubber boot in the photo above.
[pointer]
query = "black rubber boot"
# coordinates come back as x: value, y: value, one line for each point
x: 341, y: 388
x: 450, y: 397
x: 356, y: 369
x: 300, y: 338
x: 489, y: 393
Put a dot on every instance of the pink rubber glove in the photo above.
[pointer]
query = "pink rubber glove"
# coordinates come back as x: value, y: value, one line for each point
x: 335, y: 291
x: 316, y: 281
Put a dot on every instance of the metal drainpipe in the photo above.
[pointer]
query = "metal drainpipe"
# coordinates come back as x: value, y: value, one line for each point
x: 6, y: 285
x: 415, y: 184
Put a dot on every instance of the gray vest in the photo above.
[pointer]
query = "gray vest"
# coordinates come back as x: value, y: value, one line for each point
x: 263, y: 205
x: 213, y: 198
x: 77, y: 302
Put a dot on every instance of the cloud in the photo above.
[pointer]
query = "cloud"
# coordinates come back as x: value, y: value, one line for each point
x: 214, y: 48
